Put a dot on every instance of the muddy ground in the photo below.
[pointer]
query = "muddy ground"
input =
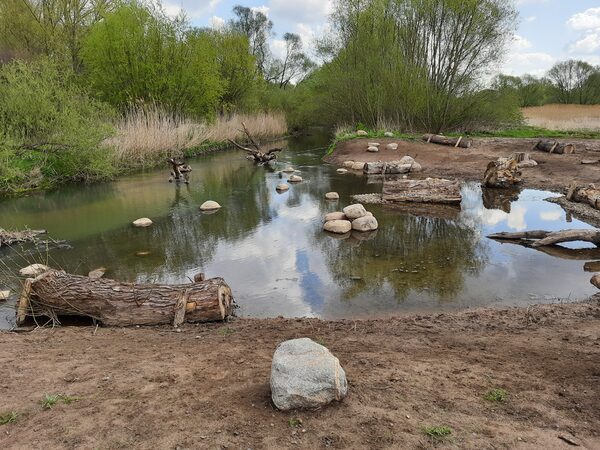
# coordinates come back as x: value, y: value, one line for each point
x: 554, y: 172
x: 208, y: 385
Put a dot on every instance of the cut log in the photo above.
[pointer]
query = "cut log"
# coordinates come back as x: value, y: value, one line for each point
x: 592, y: 266
x: 443, y: 140
x: 113, y: 303
x: 555, y: 147
x: 430, y: 190
x: 589, y: 194
x: 256, y: 153
x: 502, y: 173
x: 539, y: 238
x: 389, y: 167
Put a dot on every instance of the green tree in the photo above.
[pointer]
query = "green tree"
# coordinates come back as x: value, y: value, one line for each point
x: 257, y: 27
x: 570, y: 80
x: 294, y: 66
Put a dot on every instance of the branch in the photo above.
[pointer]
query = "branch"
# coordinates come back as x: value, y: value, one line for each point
x: 274, y: 150
x: 241, y: 147
x: 254, y: 144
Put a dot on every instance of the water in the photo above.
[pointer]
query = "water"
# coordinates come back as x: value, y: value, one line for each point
x: 272, y: 251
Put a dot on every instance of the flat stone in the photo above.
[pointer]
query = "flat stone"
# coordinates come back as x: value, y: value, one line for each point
x: 295, y: 179
x: 348, y: 164
x: 358, y: 165
x: 97, y: 273
x: 372, y: 149
x: 305, y: 374
x: 332, y: 196
x: 365, y: 223
x: 388, y: 134
x: 362, y: 133
x: 4, y: 295
x: 142, y: 223
x: 282, y: 187
x: 289, y: 170
x: 355, y: 211
x: 338, y: 226
x: 209, y: 205
x: 342, y: 170
x: 338, y: 215
x: 33, y: 270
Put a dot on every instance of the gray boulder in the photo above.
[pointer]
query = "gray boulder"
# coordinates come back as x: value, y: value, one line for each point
x: 305, y: 374
x: 365, y: 223
x: 337, y: 226
x: 337, y: 215
x: 355, y: 211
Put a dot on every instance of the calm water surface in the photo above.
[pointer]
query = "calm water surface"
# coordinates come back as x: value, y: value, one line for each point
x: 272, y: 251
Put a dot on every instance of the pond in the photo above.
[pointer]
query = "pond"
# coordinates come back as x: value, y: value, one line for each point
x: 272, y: 251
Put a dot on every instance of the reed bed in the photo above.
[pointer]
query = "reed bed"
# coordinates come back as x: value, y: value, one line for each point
x: 564, y: 117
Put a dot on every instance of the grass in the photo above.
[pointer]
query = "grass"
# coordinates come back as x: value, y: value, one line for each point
x: 438, y: 433
x: 496, y: 395
x: 9, y: 417
x: 295, y: 422
x: 50, y: 400
x: 564, y: 117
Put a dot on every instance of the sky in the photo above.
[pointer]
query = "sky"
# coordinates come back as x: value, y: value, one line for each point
x: 548, y: 30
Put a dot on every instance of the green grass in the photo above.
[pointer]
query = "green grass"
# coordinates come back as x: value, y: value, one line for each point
x: 9, y: 417
x: 438, y: 433
x: 496, y: 395
x: 50, y: 400
x: 295, y: 422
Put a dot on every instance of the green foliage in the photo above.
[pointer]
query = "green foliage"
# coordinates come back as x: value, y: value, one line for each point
x: 496, y: 395
x: 9, y: 417
x: 438, y: 433
x: 295, y: 422
x: 50, y: 400
x: 529, y: 90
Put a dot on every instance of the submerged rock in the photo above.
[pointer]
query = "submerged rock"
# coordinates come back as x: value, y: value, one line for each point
x: 338, y: 226
x: 332, y: 196
x: 355, y: 211
x: 305, y: 374
x: 209, y: 205
x: 142, y: 223
x: 289, y: 170
x: 33, y: 270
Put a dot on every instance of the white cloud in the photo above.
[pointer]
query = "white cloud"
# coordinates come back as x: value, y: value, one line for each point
x: 520, y: 43
x: 584, y: 21
x: 217, y: 23
x: 590, y: 43
x: 172, y: 10
x: 534, y: 63
x: 301, y: 11
x: 262, y: 8
x: 551, y: 216
x: 530, y: 19
x: 191, y: 8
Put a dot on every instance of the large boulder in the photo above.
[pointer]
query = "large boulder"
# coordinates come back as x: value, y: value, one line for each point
x: 355, y: 211
x: 143, y: 222
x: 33, y: 270
x: 338, y: 226
x: 209, y: 205
x: 365, y: 223
x: 305, y: 374
x: 338, y: 215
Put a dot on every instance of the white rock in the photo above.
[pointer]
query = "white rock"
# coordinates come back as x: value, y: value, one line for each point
x: 388, y: 134
x: 348, y: 164
x: 365, y: 223
x: 338, y: 226
x: 4, y: 295
x: 342, y: 170
x: 33, y: 270
x: 407, y: 160
x: 209, y: 205
x: 282, y: 187
x: 527, y: 163
x: 332, y: 196
x: 355, y: 211
x: 358, y: 165
x: 143, y: 222
x: 416, y: 167
x: 305, y: 374
x: 374, y: 144
x: 373, y: 149
x: 97, y: 273
x: 289, y: 170
x: 338, y: 215
x: 295, y: 179
x: 392, y: 146
x: 362, y: 133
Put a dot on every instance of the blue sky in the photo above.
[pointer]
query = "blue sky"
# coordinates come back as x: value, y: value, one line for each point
x: 548, y: 30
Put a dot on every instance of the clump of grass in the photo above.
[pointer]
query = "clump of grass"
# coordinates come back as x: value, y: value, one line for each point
x: 295, y: 422
x: 437, y: 433
x: 496, y: 395
x: 9, y: 417
x: 225, y: 331
x: 50, y: 400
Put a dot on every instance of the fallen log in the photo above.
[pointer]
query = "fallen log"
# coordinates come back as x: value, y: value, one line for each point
x: 443, y: 140
x: 256, y: 153
x: 429, y: 190
x: 17, y: 237
x: 56, y: 293
x: 539, y: 238
x: 554, y: 147
x: 502, y: 173
x: 405, y: 165
x: 589, y: 194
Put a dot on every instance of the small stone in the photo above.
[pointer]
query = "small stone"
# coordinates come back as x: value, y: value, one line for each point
x: 372, y: 149
x: 355, y: 211
x: 97, y: 273
x: 143, y: 222
x: 392, y: 146
x: 373, y: 144
x: 358, y: 165
x: 362, y: 133
x: 143, y: 253
x: 338, y: 215
x: 33, y: 270
x: 416, y: 167
x: 289, y: 170
x: 4, y: 295
x: 338, y: 226
x: 209, y: 205
x: 590, y: 161
x: 295, y: 179
x: 365, y: 223
x: 528, y: 163
x: 388, y: 134
x: 342, y: 170
x: 348, y: 164
x: 332, y: 196
x: 282, y: 187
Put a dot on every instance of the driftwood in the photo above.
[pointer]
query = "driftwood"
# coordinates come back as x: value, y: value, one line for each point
x: 17, y: 237
x: 502, y: 173
x: 429, y: 190
x: 589, y: 194
x: 555, y: 147
x: 540, y: 238
x: 56, y: 293
x: 256, y: 153
x: 443, y: 140
x: 179, y: 171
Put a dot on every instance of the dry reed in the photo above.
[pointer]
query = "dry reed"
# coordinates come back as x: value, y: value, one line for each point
x: 564, y: 117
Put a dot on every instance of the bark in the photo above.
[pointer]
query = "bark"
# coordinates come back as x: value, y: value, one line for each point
x: 589, y: 194
x: 539, y: 238
x: 16, y: 237
x: 430, y: 190
x: 555, y: 147
x: 179, y: 171
x: 113, y: 303
x: 592, y: 266
x: 256, y: 153
x: 595, y: 280
x: 502, y: 173
x: 390, y: 167
x: 443, y: 140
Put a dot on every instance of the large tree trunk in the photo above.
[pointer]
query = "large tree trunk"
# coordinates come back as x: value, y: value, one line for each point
x: 539, y: 238
x: 589, y: 194
x: 443, y: 140
x: 555, y: 147
x: 430, y: 190
x: 57, y: 293
x: 502, y: 173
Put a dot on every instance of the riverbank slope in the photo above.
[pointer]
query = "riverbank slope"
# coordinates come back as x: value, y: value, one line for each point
x: 208, y: 385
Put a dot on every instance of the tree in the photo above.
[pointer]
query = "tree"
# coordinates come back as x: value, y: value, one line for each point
x: 570, y: 81
x: 256, y: 26
x: 294, y: 66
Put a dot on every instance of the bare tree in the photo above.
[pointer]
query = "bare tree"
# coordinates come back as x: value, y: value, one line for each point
x: 257, y: 27
x: 570, y: 81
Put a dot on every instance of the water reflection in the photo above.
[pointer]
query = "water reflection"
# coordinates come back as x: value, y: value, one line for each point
x: 271, y: 249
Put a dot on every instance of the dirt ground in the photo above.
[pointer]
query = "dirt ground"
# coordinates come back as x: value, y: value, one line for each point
x: 208, y: 385
x: 554, y: 172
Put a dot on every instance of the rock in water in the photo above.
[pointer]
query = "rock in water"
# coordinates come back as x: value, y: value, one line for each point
x: 209, y: 205
x: 365, y: 223
x: 338, y: 215
x: 33, y: 270
x: 289, y: 170
x: 332, y: 196
x: 338, y: 226
x: 348, y: 164
x: 305, y: 374
x: 282, y: 187
x: 4, y: 295
x: 295, y: 179
x: 143, y: 222
x: 355, y: 211
x: 362, y: 133
x: 342, y: 170
x: 97, y: 273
